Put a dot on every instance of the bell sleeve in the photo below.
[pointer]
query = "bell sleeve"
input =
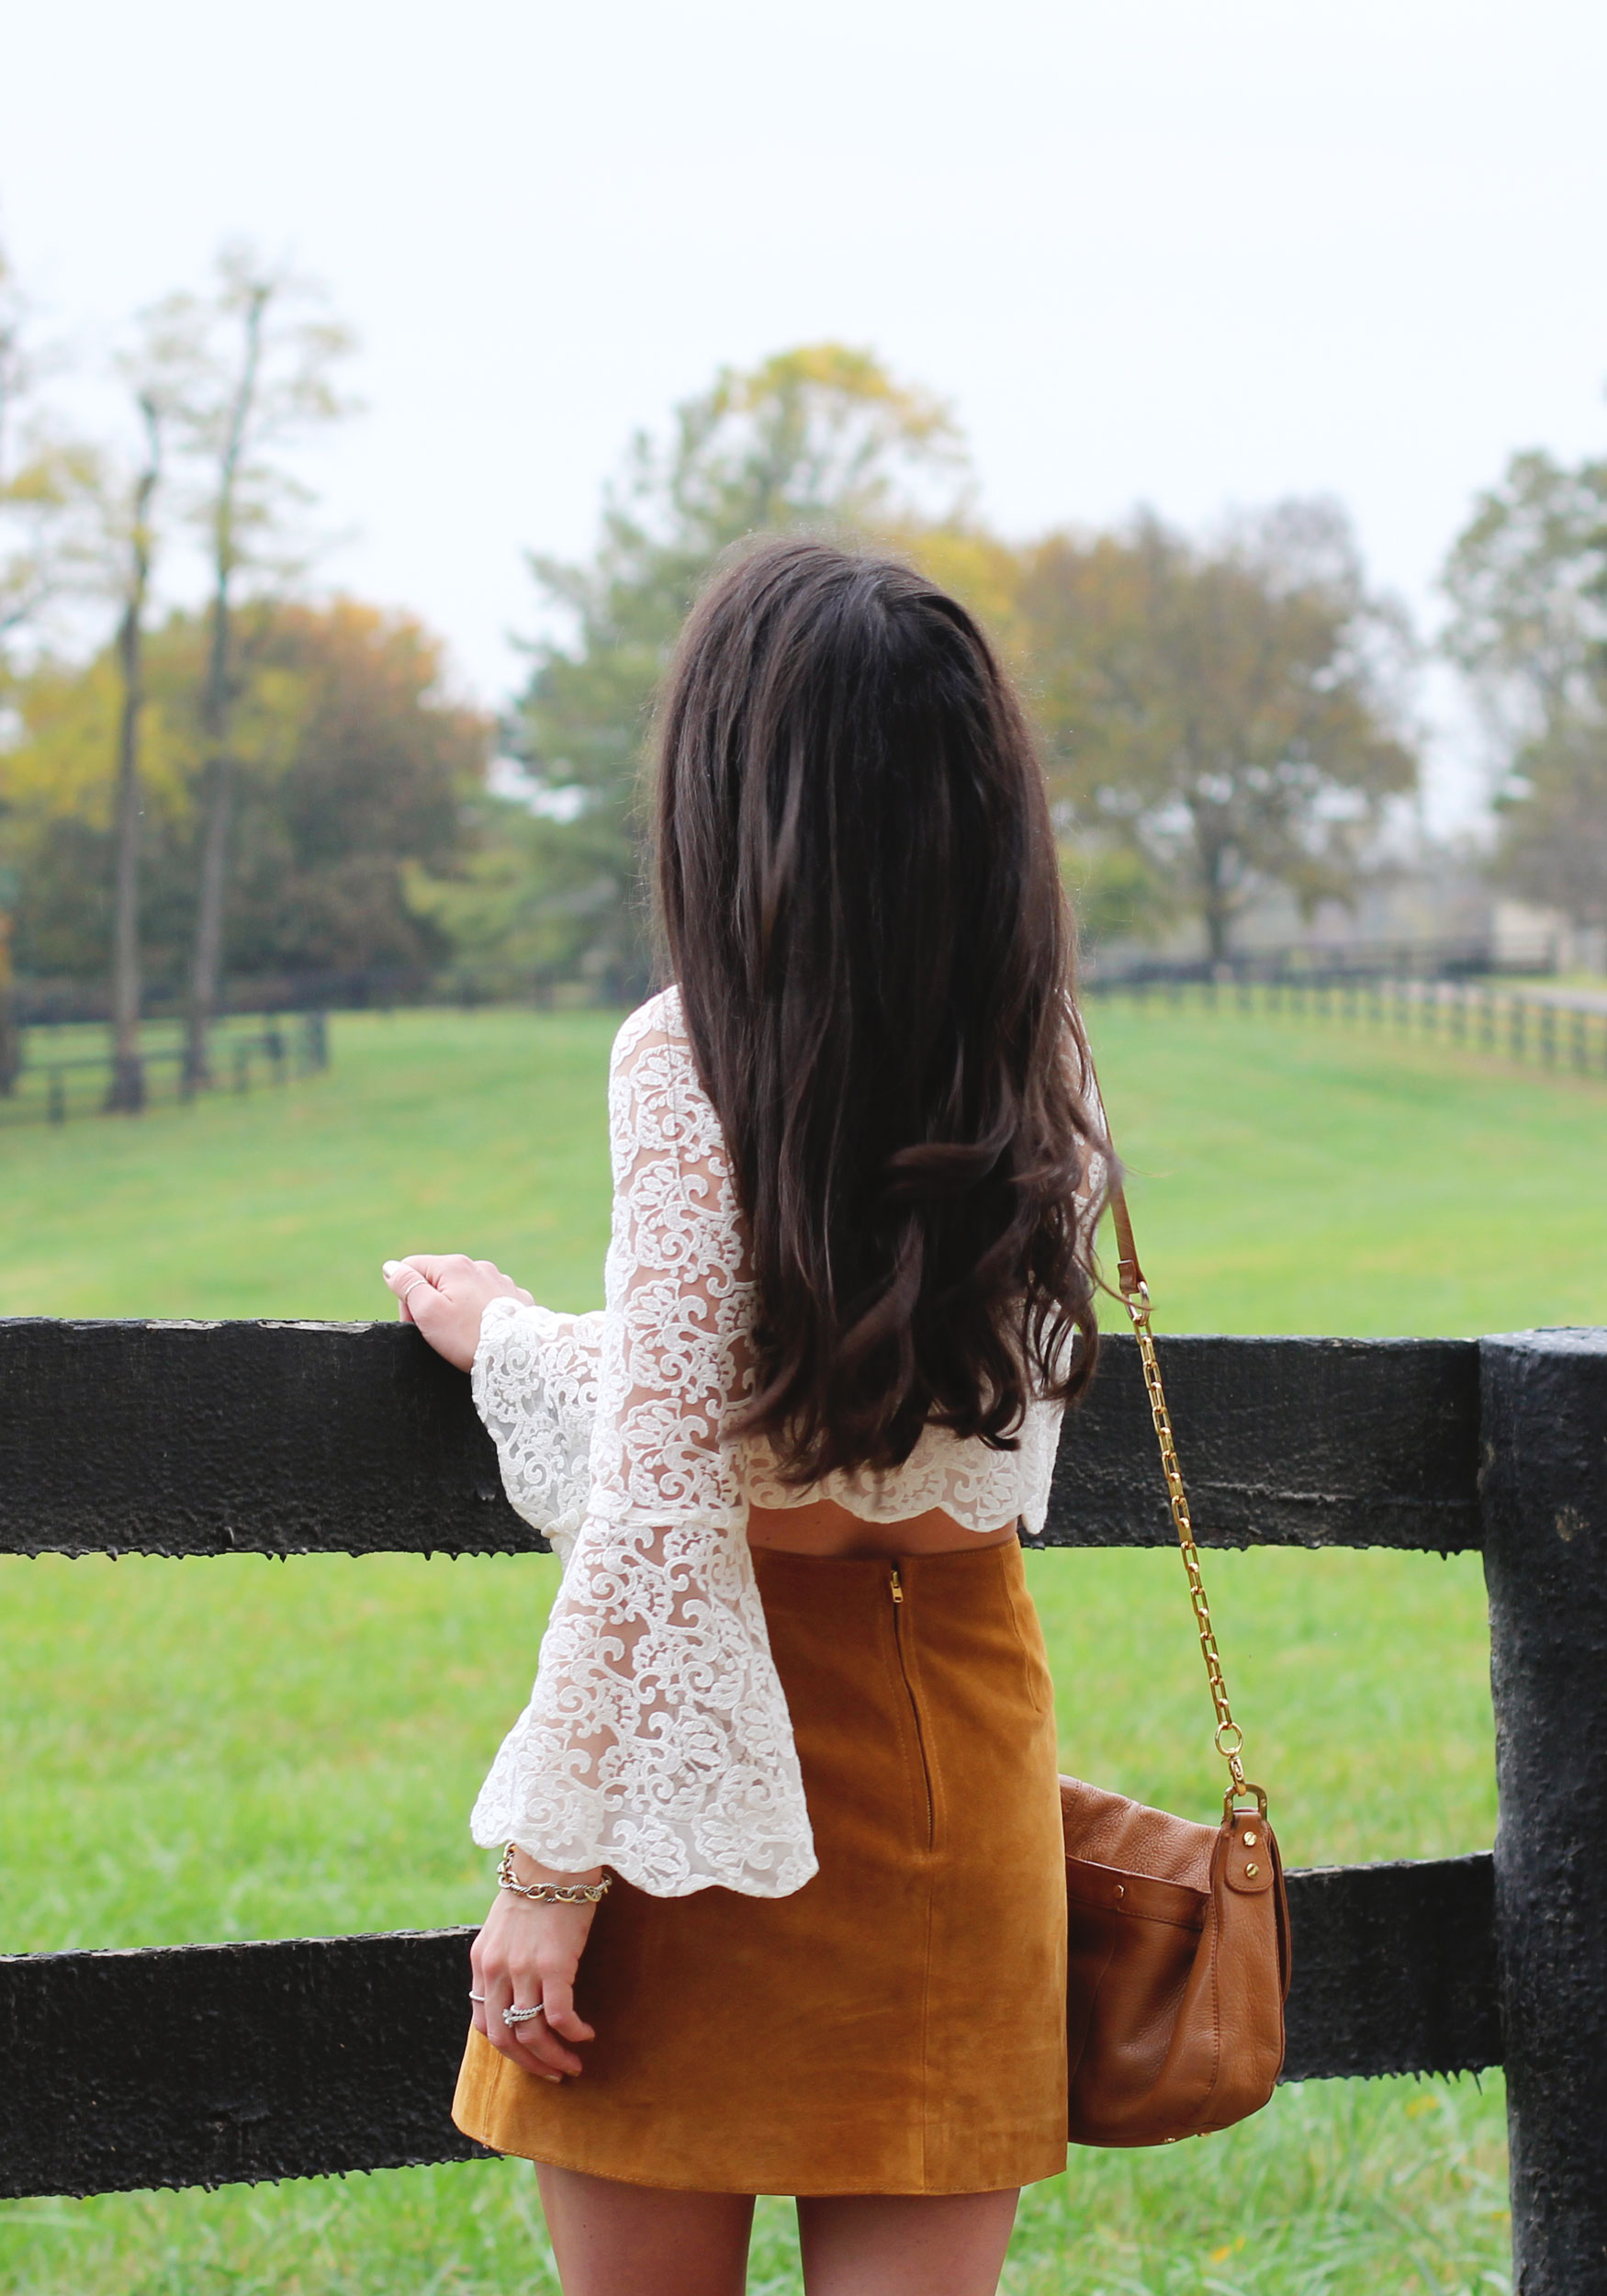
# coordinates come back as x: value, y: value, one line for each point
x: 536, y: 1387
x: 656, y: 1740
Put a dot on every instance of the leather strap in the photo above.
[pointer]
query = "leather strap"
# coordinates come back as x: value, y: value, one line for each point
x: 1129, y: 1275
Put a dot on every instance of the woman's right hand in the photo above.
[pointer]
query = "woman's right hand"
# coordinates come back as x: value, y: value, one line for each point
x: 447, y: 1296
x: 528, y: 1953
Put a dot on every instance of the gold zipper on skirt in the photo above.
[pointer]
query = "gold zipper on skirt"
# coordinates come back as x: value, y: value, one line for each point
x: 899, y: 1631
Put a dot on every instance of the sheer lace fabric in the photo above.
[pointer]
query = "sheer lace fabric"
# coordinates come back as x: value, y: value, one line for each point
x: 657, y: 1740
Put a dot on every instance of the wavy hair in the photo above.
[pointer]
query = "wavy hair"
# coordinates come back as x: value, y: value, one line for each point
x: 860, y: 897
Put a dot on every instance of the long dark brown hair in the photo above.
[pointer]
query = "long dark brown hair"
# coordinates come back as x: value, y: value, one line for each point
x: 860, y: 900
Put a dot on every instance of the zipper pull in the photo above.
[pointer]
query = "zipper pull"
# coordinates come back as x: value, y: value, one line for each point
x: 897, y: 1585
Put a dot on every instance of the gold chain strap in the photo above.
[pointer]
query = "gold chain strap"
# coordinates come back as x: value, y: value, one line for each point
x: 1229, y: 1739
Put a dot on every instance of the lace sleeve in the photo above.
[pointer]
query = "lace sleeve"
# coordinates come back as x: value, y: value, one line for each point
x: 536, y: 1387
x: 657, y: 1739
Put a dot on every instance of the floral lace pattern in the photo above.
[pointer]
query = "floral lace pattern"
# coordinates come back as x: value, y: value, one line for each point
x: 657, y: 1740
x: 536, y: 1387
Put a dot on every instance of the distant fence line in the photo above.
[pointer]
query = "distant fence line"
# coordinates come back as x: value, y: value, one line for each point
x: 1463, y: 956
x: 46, y: 1088
x: 1465, y: 990
x: 46, y: 1004
x: 1559, y: 1028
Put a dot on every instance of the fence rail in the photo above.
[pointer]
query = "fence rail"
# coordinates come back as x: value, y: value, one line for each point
x: 247, y: 2062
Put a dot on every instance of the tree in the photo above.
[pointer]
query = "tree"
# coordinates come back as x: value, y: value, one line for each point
x: 47, y: 485
x: 528, y: 904
x: 363, y: 766
x: 1552, y: 811
x: 127, y: 1094
x: 1527, y: 581
x: 46, y: 482
x: 250, y: 373
x: 1229, y: 717
x: 353, y: 769
x: 822, y: 437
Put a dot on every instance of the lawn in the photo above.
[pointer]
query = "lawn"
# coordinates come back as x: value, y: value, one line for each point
x: 240, y: 1748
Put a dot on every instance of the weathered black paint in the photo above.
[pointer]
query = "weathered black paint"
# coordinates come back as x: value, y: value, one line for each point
x: 1395, y: 1969
x: 223, y: 1438
x: 222, y: 2064
x: 292, y: 1438
x: 1284, y: 1442
x: 1545, y: 1426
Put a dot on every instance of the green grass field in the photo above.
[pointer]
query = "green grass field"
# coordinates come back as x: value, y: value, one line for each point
x: 244, y: 1748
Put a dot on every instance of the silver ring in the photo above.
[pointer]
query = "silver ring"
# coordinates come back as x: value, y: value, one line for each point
x: 476, y: 1996
x: 523, y: 2017
x: 408, y: 1294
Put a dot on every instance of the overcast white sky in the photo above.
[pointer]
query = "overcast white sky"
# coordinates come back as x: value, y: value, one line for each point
x: 1197, y: 256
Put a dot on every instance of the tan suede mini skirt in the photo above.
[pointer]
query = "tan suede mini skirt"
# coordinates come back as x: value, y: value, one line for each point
x: 898, y: 2024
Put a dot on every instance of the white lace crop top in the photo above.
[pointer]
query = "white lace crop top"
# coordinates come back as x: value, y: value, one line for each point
x: 657, y: 1739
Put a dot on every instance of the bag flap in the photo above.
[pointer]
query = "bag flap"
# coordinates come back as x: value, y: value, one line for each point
x: 1107, y: 1830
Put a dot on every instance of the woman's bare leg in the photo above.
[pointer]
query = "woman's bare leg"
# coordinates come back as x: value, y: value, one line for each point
x: 941, y: 2244
x: 612, y: 2239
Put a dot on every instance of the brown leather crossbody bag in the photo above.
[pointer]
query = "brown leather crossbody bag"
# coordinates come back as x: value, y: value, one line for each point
x: 1177, y: 1961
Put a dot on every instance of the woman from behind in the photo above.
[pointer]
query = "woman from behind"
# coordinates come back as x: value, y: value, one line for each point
x: 783, y: 1903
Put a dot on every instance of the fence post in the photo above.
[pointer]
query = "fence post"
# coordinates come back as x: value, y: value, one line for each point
x: 1544, y: 1503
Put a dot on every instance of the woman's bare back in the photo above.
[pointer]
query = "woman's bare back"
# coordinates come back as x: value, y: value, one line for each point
x: 822, y: 1527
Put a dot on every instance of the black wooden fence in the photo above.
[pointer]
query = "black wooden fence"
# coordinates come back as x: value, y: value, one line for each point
x: 1553, y: 1028
x: 221, y: 2063
x: 49, y: 1084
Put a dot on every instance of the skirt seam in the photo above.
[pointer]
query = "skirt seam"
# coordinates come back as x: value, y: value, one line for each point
x: 931, y: 1768
x: 901, y: 1692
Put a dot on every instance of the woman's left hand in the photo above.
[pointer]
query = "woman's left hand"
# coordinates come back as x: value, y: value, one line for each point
x: 447, y: 1296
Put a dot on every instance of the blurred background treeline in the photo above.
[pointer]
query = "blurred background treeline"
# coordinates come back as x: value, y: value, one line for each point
x: 215, y: 773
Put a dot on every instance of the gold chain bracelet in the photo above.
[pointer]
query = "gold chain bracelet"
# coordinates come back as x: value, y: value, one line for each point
x: 550, y: 1893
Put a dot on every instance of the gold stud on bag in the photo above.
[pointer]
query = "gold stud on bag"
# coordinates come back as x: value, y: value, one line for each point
x: 1177, y: 1963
